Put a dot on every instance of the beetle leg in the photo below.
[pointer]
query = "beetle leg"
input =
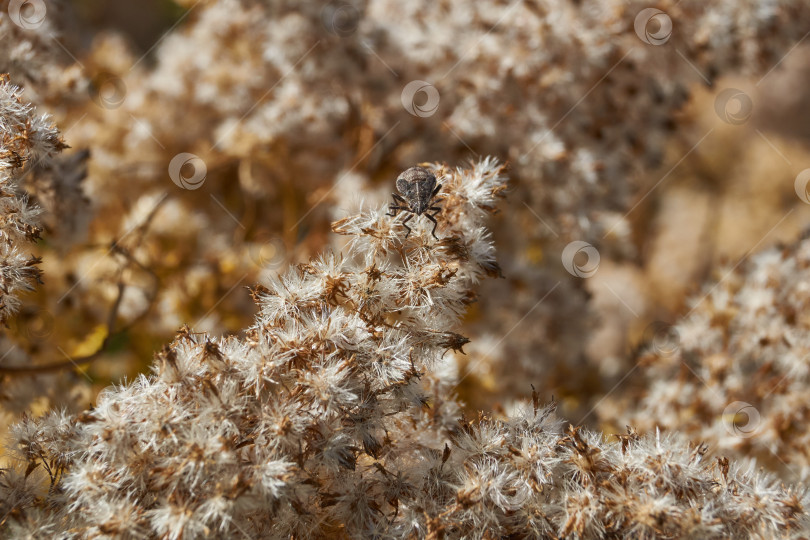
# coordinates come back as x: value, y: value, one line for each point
x: 435, y: 191
x: 435, y: 224
x: 394, y: 208
x: 403, y: 224
x: 398, y: 204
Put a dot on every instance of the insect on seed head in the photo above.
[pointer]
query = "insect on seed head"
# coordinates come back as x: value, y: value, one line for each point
x: 417, y: 188
x: 416, y: 185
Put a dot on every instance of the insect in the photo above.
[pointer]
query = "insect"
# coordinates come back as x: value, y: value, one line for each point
x: 417, y: 188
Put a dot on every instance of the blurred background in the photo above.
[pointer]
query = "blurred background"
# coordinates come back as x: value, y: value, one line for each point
x: 213, y: 142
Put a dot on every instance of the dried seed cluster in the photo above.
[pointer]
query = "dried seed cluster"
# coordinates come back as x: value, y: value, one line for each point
x: 26, y: 139
x: 335, y: 417
x: 744, y: 342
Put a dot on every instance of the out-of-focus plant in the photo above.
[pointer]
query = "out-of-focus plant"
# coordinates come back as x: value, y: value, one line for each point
x: 733, y: 372
x: 26, y: 138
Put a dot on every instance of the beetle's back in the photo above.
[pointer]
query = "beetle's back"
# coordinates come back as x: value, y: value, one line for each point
x: 416, y: 185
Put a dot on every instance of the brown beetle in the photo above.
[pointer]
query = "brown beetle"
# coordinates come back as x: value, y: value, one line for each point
x: 418, y: 188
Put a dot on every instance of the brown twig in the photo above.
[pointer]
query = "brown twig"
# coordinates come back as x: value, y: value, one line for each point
x: 113, y: 314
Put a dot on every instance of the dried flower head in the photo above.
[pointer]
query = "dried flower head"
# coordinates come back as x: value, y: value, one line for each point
x: 335, y: 416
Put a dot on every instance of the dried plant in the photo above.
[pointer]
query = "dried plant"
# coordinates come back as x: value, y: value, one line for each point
x: 733, y: 372
x: 27, y: 140
x: 271, y: 99
x: 335, y: 417
x: 222, y: 154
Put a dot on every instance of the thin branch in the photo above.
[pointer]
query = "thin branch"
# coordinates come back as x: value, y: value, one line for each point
x: 113, y: 313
